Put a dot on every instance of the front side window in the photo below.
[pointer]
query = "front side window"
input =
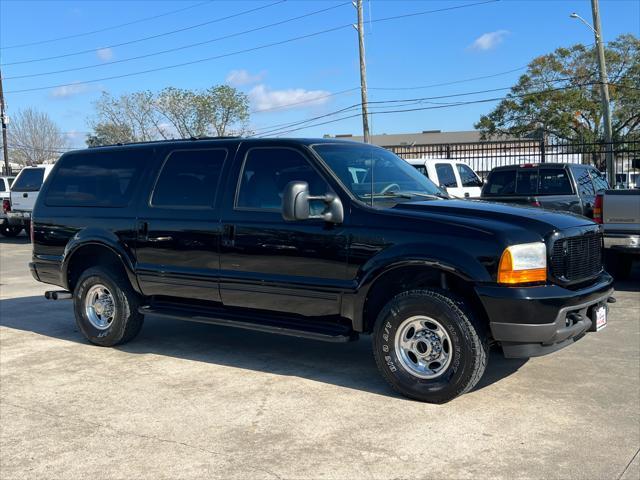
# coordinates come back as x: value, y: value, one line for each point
x: 189, y: 179
x: 267, y: 171
x: 467, y: 176
x: 29, y: 180
x: 3, y: 188
x: 554, y: 181
x: 422, y: 169
x: 96, y: 179
x: 446, y: 177
x: 385, y: 177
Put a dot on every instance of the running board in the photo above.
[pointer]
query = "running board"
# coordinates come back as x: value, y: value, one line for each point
x: 326, y: 332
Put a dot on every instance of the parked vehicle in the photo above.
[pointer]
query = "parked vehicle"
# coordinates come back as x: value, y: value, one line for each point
x: 24, y: 193
x: 628, y: 180
x: 323, y: 239
x: 457, y: 178
x: 569, y: 187
x: 619, y: 212
x: 6, y: 229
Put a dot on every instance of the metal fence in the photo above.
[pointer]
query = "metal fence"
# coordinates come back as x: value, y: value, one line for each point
x: 484, y: 156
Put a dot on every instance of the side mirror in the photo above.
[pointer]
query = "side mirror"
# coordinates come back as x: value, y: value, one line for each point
x: 295, y: 204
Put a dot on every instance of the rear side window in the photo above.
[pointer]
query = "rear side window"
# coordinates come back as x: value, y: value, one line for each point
x: 501, y: 182
x: 446, y: 177
x: 3, y: 187
x: 422, y: 169
x: 29, y: 180
x: 554, y: 181
x: 583, y: 179
x: 599, y: 182
x: 468, y: 176
x: 189, y: 179
x: 96, y: 179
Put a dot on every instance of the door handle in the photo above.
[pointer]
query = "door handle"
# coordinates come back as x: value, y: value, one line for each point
x: 159, y: 239
x: 143, y: 230
x: 228, y: 235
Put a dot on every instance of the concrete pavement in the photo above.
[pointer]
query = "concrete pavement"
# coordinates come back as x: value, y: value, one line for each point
x: 189, y: 400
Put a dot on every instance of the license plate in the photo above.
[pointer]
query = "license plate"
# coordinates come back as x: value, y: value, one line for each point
x: 601, y: 318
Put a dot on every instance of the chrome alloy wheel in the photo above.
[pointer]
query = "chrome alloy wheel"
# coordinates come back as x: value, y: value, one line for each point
x: 423, y: 346
x: 99, y: 307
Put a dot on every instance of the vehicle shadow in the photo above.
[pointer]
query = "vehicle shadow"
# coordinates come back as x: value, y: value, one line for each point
x: 21, y: 239
x: 631, y: 284
x: 349, y: 365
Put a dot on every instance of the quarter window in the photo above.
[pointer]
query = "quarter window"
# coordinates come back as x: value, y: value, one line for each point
x: 189, y: 178
x: 267, y: 171
x: 95, y: 179
x: 446, y: 177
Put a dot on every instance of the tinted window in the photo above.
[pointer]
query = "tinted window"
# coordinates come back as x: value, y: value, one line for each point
x: 527, y: 181
x: 554, y: 181
x: 96, y: 179
x: 446, y: 177
x: 501, y: 182
x: 599, y: 182
x: 422, y: 169
x: 29, y: 180
x: 3, y: 188
x: 267, y: 171
x: 189, y: 178
x: 583, y: 179
x: 468, y: 176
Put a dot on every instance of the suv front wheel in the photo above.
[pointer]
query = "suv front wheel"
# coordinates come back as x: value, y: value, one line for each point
x: 106, y: 307
x: 429, y: 346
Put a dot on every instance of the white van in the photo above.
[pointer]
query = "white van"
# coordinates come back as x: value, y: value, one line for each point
x: 24, y: 192
x: 456, y: 177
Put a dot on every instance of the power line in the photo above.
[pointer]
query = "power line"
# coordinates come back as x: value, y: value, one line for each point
x: 183, y: 47
x: 469, y: 102
x: 113, y: 27
x: 143, y: 39
x: 260, y: 47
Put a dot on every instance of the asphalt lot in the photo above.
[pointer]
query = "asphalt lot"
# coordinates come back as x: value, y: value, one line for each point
x: 189, y: 400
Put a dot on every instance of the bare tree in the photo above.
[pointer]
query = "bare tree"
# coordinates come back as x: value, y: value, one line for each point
x: 33, y: 137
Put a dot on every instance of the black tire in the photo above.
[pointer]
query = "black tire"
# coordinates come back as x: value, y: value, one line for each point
x: 126, y: 322
x: 8, y: 230
x: 618, y: 264
x: 469, y: 347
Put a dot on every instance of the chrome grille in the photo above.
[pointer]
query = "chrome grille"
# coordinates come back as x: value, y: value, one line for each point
x: 577, y: 258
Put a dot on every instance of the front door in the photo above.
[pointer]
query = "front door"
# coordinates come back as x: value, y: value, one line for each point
x: 266, y: 263
x: 179, y: 229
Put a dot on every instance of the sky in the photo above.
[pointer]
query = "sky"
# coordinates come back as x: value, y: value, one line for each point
x: 439, y: 46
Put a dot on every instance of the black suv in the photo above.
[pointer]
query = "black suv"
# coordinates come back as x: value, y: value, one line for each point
x: 322, y: 239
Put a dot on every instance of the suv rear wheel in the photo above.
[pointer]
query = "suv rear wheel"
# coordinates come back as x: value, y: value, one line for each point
x: 429, y: 346
x: 106, y: 307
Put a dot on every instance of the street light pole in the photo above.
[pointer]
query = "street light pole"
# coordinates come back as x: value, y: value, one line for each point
x: 363, y: 73
x: 604, y: 86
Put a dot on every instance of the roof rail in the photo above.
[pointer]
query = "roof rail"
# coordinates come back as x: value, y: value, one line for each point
x: 166, y: 140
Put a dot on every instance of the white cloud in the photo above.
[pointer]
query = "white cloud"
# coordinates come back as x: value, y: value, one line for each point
x: 243, y: 77
x: 66, y: 91
x: 489, y: 40
x: 263, y: 98
x: 104, y: 54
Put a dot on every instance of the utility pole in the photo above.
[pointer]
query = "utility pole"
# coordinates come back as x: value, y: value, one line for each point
x: 604, y: 87
x: 363, y: 72
x: 3, y: 119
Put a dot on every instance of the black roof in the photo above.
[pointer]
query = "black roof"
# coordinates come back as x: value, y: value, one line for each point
x: 532, y: 165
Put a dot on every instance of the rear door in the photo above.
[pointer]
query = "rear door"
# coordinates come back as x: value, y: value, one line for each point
x: 25, y: 188
x: 178, y: 234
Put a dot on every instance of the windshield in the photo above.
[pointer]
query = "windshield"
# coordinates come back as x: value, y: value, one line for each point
x: 374, y: 174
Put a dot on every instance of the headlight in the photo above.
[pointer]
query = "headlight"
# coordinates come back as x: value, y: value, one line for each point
x: 523, y: 263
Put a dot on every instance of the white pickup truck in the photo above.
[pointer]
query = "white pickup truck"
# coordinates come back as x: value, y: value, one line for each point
x: 24, y: 193
x: 456, y: 177
x: 619, y: 212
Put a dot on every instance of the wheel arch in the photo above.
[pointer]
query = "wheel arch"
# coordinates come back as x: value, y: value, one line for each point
x: 87, y: 252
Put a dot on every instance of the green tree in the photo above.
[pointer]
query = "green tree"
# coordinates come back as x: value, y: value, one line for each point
x: 559, y: 95
x: 109, y: 134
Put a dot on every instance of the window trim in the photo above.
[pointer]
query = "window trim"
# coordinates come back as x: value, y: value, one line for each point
x: 241, y: 174
x: 187, y: 207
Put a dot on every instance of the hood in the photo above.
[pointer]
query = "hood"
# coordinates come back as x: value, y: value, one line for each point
x: 490, y: 216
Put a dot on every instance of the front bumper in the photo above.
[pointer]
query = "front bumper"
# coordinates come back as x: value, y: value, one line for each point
x: 534, y: 321
x: 622, y: 242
